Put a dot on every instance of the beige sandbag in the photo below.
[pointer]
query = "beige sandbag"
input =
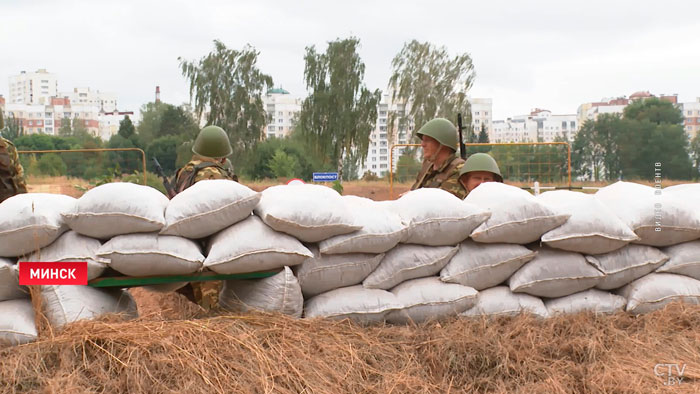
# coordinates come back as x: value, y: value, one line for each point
x: 322, y: 273
x: 67, y: 304
x: 208, y: 207
x: 428, y: 299
x: 278, y: 293
x: 684, y: 259
x: 250, y: 246
x: 118, y: 208
x: 381, y: 229
x: 408, y: 261
x: 9, y: 281
x: 591, y: 300
x: 310, y: 213
x: 30, y: 221
x: 555, y: 273
x: 591, y: 229
x: 482, y: 266
x: 654, y: 291
x: 17, y: 325
x: 500, y: 301
x: 516, y: 216
x: 627, y: 264
x: 70, y: 247
x: 354, y: 302
x: 151, y: 254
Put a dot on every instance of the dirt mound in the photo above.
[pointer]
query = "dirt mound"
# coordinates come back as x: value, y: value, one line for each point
x: 272, y: 353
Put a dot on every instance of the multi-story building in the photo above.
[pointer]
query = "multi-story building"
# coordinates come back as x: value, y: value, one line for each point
x: 482, y: 114
x: 32, y: 88
x: 84, y: 96
x: 591, y: 111
x: 540, y: 126
x: 691, y: 117
x: 282, y: 109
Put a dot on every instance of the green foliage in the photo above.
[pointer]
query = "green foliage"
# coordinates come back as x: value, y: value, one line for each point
x: 128, y: 161
x: 151, y: 117
x: 175, y: 121
x: 407, y: 167
x: 695, y: 155
x: 35, y: 142
x: 65, y: 130
x: 283, y: 165
x: 654, y: 110
x: 2, y: 121
x: 369, y: 176
x: 258, y: 166
x: 51, y: 164
x: 165, y: 150
x: 126, y: 128
x: 79, y: 129
x: 337, y: 186
x: 152, y: 180
x: 13, y: 129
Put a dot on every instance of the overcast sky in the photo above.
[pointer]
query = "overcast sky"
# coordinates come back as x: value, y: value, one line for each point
x: 548, y: 54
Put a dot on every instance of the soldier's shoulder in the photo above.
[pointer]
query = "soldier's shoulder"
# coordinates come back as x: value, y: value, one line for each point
x: 5, y: 142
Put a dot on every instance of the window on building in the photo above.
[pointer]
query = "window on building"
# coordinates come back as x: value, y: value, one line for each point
x: 382, y: 143
x: 563, y: 124
x: 382, y: 113
x: 280, y: 113
x: 486, y: 113
x: 49, y: 115
x: 374, y: 158
x: 383, y: 151
x: 31, y: 123
x: 39, y: 130
x: 270, y: 128
x: 689, y: 113
x: 476, y: 113
x: 280, y: 120
x: 382, y: 166
x: 49, y: 122
x: 374, y: 166
x: 382, y: 128
x: 382, y: 121
x: 271, y: 135
x: 572, y: 124
x: 382, y: 158
x: 374, y: 144
x: 49, y: 130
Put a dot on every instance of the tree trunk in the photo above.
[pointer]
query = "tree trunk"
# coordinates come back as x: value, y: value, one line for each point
x: 340, y: 168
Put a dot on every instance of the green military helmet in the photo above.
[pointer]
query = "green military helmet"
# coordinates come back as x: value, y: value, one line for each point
x: 212, y: 142
x: 442, y: 130
x: 481, y: 162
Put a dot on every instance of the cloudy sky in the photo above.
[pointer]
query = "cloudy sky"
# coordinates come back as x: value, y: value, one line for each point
x: 553, y: 54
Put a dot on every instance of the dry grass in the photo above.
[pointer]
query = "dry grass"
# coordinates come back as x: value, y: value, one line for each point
x: 264, y: 353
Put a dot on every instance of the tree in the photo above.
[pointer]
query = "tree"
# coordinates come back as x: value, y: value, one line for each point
x: 340, y: 112
x: 654, y: 110
x: 407, y: 167
x: 79, y: 129
x: 695, y: 155
x: 283, y: 165
x: 65, y: 130
x: 126, y: 128
x: 149, y: 126
x: 175, y: 121
x: 228, y: 83
x: 165, y: 150
x: 13, y: 129
x: 51, y: 164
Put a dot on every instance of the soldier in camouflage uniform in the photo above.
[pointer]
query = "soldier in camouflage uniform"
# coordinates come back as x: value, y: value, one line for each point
x: 11, y: 171
x: 441, y: 165
x: 209, y: 161
x: 479, y: 168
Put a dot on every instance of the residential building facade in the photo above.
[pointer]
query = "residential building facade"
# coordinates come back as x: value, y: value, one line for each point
x: 32, y: 88
x: 282, y: 109
x: 691, y: 117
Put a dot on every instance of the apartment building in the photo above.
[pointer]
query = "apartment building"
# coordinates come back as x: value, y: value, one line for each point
x: 691, y: 117
x: 32, y: 88
x: 282, y: 109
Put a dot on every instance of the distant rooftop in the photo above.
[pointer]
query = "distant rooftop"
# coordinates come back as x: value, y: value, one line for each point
x: 277, y: 91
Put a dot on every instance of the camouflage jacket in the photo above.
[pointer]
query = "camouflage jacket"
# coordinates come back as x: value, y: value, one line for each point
x: 11, y: 172
x: 198, y: 169
x: 446, y: 177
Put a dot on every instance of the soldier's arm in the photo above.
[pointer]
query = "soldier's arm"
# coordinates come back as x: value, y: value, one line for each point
x: 453, y: 185
x: 210, y: 173
x: 19, y: 180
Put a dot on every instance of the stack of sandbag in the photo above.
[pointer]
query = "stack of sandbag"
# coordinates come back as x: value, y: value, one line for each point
x: 17, y: 324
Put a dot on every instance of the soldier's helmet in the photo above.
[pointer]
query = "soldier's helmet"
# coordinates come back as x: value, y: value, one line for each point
x: 212, y: 141
x: 481, y: 162
x: 442, y: 130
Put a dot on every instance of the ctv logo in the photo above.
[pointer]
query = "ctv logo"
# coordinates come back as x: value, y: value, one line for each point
x: 672, y: 373
x: 43, y: 273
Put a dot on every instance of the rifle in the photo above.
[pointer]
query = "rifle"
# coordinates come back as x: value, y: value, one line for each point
x: 462, y: 147
x: 166, y: 182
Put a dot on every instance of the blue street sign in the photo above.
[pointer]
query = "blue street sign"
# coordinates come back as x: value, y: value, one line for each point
x: 325, y: 176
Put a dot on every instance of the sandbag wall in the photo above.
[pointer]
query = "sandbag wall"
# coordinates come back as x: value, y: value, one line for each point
x: 501, y: 251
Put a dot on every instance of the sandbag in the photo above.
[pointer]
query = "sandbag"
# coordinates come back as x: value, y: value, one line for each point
x: 658, y: 218
x: 653, y: 291
x: 591, y: 300
x: 30, y: 221
x: 278, y: 293
x: 408, y: 261
x: 250, y: 246
x: 151, y: 254
x: 354, y: 302
x: 516, y: 216
x: 322, y: 273
x: 118, y: 208
x: 625, y: 265
x: 17, y: 324
x: 591, y: 229
x: 690, y: 192
x: 381, y: 229
x: 208, y: 207
x: 70, y: 247
x: 429, y: 298
x: 436, y: 217
x: 554, y: 273
x: 9, y: 281
x: 310, y: 213
x: 67, y: 304
x: 500, y: 301
x: 482, y: 266
x: 684, y: 259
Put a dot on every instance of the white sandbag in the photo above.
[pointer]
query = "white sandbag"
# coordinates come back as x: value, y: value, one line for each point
x: 118, y: 208
x: 483, y: 266
x: 625, y: 265
x: 67, y: 304
x: 311, y: 213
x: 554, y: 273
x: 208, y: 207
x: 500, y: 301
x: 436, y: 217
x: 17, y: 325
x: 381, y: 229
x: 70, y: 247
x: 516, y: 216
x: 591, y: 300
x: 354, y: 302
x: 429, y: 298
x: 653, y: 291
x: 250, y: 246
x: 322, y: 273
x: 684, y: 259
x: 690, y: 192
x: 9, y: 281
x: 407, y: 261
x: 151, y: 254
x: 659, y: 218
x: 278, y: 293
x: 591, y: 229
x: 30, y: 221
